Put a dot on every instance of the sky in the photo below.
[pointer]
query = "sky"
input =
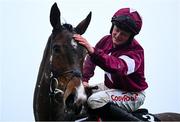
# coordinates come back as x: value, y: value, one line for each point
x: 25, y: 28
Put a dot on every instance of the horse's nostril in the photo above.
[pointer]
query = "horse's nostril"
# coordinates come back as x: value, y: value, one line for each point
x: 72, y: 104
x: 70, y: 100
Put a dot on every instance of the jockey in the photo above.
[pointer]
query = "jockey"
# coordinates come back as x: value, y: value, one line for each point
x: 122, y: 59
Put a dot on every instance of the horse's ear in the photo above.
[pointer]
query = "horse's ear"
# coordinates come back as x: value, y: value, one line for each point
x: 82, y: 26
x: 55, y: 17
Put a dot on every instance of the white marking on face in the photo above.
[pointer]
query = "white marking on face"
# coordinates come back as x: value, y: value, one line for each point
x: 74, y: 43
x: 81, y: 93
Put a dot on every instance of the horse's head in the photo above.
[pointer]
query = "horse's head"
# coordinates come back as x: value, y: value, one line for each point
x: 66, y: 62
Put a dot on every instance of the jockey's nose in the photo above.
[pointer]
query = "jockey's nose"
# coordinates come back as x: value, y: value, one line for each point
x: 118, y: 34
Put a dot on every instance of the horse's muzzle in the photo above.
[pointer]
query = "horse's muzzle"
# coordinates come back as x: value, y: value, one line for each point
x: 72, y: 105
x: 75, y: 101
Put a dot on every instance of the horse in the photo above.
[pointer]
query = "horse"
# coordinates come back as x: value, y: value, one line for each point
x: 59, y: 93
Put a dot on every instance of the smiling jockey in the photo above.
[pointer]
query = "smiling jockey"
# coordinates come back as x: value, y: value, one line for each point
x: 122, y: 59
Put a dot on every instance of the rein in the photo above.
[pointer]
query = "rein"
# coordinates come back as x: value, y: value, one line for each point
x: 53, y: 78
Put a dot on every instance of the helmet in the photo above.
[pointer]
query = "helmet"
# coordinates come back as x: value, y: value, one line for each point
x: 128, y: 20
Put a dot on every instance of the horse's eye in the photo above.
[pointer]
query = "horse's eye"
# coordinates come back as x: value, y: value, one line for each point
x: 56, y: 49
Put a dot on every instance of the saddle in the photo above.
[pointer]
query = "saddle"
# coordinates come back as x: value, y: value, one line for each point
x: 141, y: 114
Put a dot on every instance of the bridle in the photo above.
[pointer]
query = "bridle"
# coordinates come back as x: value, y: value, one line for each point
x: 54, y: 75
x: 56, y: 93
x: 54, y: 78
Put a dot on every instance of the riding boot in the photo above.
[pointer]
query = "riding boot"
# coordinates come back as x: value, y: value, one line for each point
x: 92, y: 115
x: 112, y: 112
x: 118, y: 113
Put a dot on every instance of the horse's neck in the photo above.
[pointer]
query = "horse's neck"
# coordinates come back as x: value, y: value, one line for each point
x: 45, y: 60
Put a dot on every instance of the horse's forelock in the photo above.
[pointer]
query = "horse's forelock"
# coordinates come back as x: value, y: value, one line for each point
x: 65, y: 26
x: 68, y: 27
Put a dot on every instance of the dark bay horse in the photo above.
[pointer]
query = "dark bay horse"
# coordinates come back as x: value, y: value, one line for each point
x: 59, y: 93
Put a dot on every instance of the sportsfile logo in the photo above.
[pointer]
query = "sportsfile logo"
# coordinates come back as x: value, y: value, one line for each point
x: 124, y: 97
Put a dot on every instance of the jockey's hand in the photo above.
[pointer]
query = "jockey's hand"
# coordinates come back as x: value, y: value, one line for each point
x: 85, y: 84
x: 84, y: 43
x: 89, y: 89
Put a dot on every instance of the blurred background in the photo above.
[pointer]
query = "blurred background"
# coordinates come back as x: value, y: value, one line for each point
x: 25, y: 28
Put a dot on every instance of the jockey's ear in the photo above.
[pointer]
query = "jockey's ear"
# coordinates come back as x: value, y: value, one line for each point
x: 82, y: 26
x: 55, y: 17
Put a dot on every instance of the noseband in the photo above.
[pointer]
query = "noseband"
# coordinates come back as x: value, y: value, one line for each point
x: 54, y: 78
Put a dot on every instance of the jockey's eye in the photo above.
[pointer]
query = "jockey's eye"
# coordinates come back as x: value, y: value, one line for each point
x: 56, y: 49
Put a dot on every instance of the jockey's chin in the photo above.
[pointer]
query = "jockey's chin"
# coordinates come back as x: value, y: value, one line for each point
x: 117, y: 42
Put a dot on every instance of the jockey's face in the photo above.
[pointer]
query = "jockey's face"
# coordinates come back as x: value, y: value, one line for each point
x: 119, y: 36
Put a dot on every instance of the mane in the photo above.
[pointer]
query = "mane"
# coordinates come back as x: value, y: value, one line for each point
x: 65, y: 26
x: 68, y: 27
x: 44, y: 59
x: 42, y: 69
